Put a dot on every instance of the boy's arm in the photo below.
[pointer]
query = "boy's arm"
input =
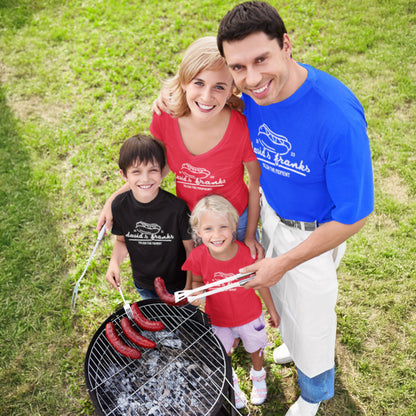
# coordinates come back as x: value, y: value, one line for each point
x: 274, y: 319
x: 189, y: 245
x: 253, y: 169
x: 119, y: 254
x: 106, y: 216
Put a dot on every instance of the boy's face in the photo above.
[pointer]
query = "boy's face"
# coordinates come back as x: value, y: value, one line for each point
x: 144, y: 180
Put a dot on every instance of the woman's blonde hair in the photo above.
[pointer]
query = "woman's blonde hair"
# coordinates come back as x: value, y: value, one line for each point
x: 216, y: 204
x: 200, y: 55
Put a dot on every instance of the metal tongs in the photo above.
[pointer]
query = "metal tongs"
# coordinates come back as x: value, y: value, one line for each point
x: 126, y: 305
x: 75, y: 292
x: 183, y: 294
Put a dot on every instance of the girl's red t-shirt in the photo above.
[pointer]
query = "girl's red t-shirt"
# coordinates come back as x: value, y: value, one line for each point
x: 234, y: 307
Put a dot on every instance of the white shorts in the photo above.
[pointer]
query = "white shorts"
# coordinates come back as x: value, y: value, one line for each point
x: 253, y: 335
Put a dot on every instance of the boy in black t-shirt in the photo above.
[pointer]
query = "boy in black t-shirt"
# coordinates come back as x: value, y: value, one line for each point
x: 150, y: 224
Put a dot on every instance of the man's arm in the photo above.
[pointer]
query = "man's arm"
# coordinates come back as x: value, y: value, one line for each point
x: 326, y: 237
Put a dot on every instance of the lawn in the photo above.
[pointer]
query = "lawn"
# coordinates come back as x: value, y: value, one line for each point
x: 76, y: 79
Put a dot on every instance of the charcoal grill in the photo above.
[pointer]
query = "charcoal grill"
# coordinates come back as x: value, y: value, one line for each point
x: 187, y: 374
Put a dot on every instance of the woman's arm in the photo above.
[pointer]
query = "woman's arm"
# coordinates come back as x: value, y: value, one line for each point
x: 254, y: 171
x: 106, y: 216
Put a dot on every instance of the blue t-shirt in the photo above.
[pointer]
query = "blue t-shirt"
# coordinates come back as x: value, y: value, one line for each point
x: 314, y: 152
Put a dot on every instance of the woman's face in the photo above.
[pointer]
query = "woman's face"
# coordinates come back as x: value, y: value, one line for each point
x: 208, y: 92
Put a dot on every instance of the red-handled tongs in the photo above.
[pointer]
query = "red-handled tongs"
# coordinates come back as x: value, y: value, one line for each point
x: 237, y: 280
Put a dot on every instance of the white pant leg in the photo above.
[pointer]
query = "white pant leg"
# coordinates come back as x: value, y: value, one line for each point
x: 305, y: 297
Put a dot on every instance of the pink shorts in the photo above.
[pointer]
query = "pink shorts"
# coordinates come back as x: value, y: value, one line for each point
x: 253, y: 335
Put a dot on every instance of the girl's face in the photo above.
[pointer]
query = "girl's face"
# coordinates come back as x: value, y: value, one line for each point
x: 216, y: 233
x: 208, y: 92
x: 144, y: 180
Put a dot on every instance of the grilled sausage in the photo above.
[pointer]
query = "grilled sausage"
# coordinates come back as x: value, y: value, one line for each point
x: 164, y: 295
x: 118, y: 344
x: 134, y: 336
x: 143, y: 322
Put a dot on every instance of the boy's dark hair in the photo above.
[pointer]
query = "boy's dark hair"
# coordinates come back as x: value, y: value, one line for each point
x: 248, y: 18
x: 142, y: 149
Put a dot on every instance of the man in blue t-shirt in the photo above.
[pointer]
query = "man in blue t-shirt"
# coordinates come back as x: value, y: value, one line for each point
x: 309, y: 133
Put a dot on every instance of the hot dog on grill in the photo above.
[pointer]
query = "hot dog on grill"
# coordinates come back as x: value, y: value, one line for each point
x: 134, y: 336
x: 118, y: 344
x: 143, y: 322
x: 164, y: 295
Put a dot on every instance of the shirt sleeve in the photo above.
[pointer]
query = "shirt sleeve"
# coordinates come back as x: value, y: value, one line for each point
x: 246, y: 147
x: 184, y: 227
x: 350, y: 176
x: 193, y: 263
x: 156, y: 126
x: 115, y: 208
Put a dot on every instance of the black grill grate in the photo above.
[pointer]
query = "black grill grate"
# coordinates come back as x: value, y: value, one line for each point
x: 187, y: 374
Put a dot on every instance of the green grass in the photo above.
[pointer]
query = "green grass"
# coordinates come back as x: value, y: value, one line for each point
x: 78, y: 78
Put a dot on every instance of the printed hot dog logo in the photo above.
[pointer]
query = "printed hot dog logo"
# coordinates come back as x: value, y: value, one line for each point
x: 195, y: 177
x: 219, y: 276
x: 275, y: 151
x: 149, y: 234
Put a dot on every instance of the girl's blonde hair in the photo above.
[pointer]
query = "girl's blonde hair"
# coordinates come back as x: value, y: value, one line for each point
x: 216, y: 204
x: 200, y: 56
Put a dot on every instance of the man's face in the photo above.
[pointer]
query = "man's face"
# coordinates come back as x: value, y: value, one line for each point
x: 260, y: 68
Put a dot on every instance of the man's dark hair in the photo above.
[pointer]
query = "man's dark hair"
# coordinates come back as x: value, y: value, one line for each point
x: 141, y: 149
x: 248, y: 18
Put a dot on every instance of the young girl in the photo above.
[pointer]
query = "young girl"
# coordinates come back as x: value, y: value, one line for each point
x: 237, y: 313
x: 207, y: 140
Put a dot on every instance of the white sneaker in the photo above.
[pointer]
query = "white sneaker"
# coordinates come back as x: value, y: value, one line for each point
x: 259, y: 391
x: 239, y: 396
x: 281, y: 355
x: 303, y: 408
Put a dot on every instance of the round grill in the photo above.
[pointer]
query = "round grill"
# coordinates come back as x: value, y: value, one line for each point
x: 188, y: 373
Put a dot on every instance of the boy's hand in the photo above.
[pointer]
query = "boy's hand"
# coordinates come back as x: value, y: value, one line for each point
x: 113, y: 276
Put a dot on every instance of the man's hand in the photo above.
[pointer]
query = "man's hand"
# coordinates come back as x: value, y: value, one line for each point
x: 268, y: 273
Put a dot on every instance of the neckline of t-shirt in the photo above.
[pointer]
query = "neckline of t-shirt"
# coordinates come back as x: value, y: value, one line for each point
x: 300, y: 92
x: 147, y: 204
x: 220, y: 143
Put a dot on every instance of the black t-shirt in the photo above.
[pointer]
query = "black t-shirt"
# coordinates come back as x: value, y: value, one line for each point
x: 153, y: 233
